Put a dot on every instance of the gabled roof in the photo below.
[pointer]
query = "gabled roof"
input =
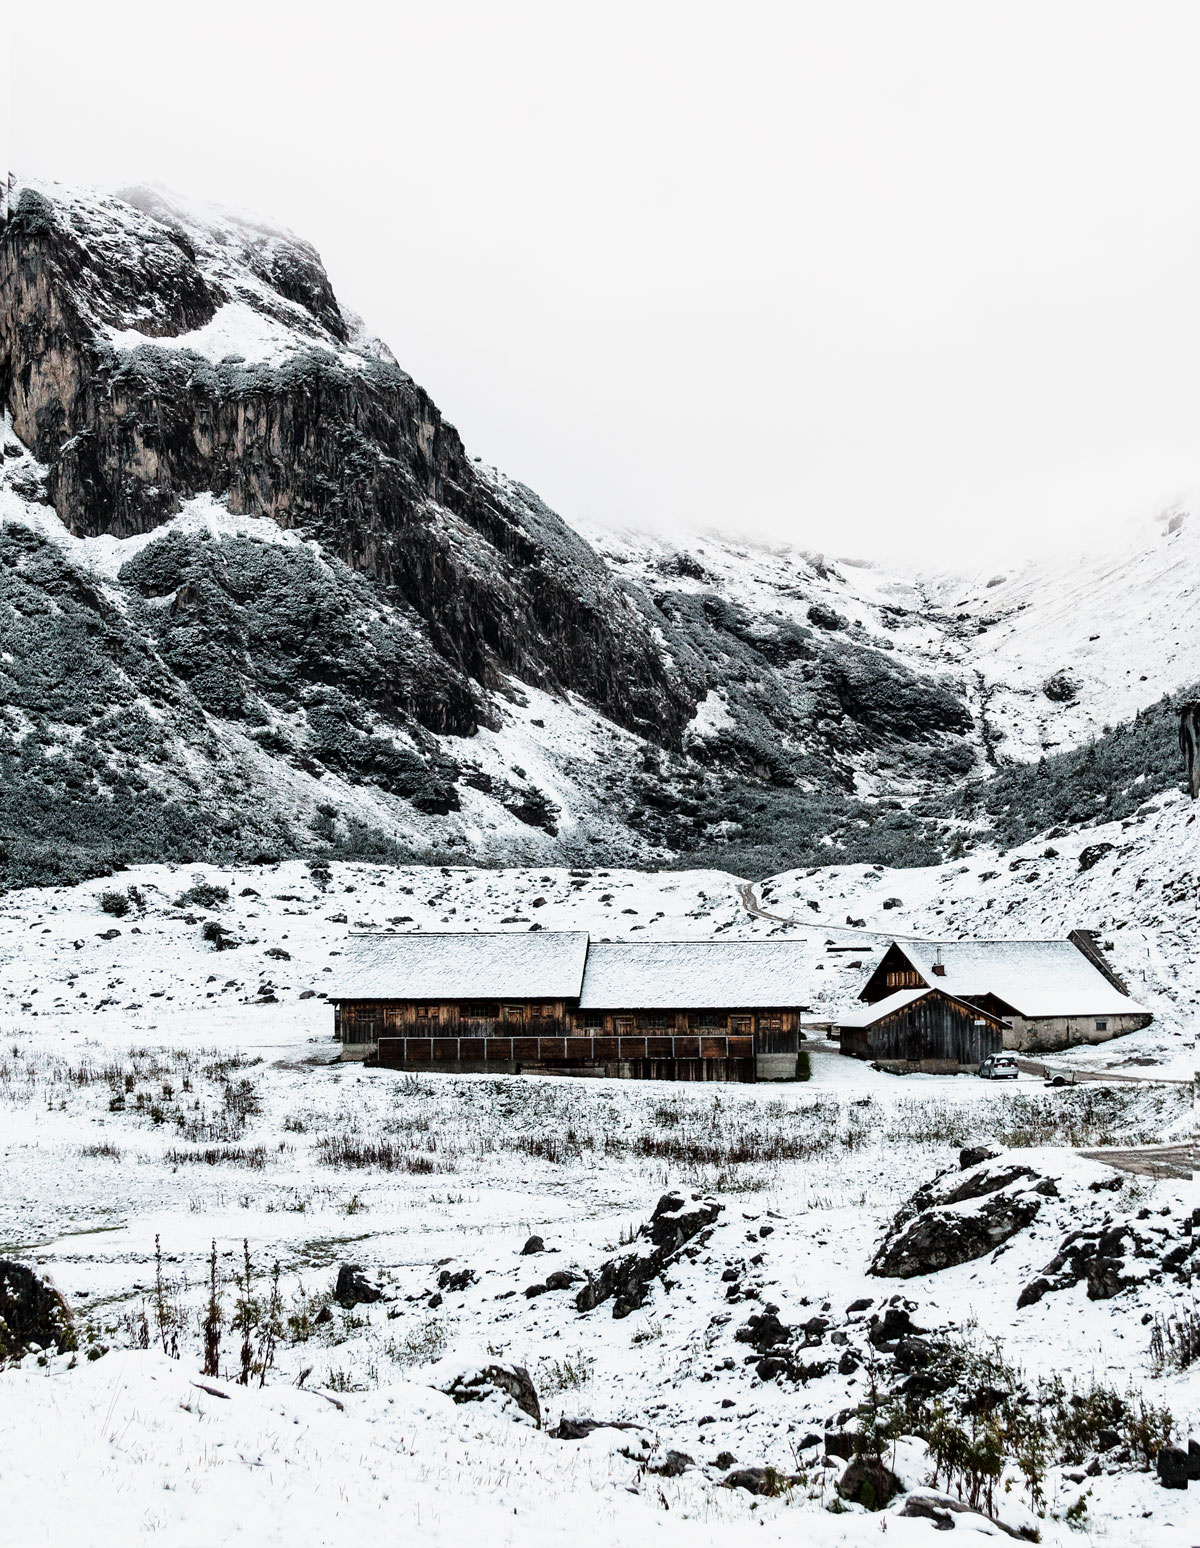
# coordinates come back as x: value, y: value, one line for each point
x: 1034, y: 978
x: 440, y: 965
x: 694, y: 975
x: 870, y: 1014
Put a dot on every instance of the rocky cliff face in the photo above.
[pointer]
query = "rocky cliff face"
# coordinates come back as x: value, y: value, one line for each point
x: 323, y: 437
x: 248, y: 569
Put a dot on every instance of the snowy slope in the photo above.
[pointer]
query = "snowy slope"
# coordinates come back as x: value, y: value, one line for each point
x: 1122, y: 625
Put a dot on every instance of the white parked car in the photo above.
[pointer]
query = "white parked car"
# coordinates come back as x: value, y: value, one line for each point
x: 999, y: 1067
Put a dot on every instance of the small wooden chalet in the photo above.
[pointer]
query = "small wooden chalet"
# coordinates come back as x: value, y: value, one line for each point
x: 556, y: 1001
x: 921, y: 1029
x: 1048, y: 994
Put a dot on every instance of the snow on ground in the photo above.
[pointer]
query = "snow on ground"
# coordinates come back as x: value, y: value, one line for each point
x: 151, y: 1086
x: 1122, y: 624
x: 1142, y: 896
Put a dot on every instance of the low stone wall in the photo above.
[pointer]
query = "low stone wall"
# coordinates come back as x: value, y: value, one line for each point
x: 1051, y: 1033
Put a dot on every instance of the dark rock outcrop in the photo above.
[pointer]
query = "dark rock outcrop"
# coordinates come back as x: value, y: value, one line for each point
x: 1114, y: 1255
x: 933, y: 1232
x: 626, y: 1281
x: 396, y: 593
x: 32, y: 1313
x: 868, y: 1482
x: 1171, y: 1465
x: 355, y: 1287
x: 759, y: 1480
x: 507, y: 1386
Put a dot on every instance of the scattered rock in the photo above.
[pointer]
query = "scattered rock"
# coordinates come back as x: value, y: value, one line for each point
x: 626, y: 1281
x: 972, y: 1155
x: 763, y: 1332
x: 867, y: 1482
x: 562, y: 1279
x: 355, y: 1288
x: 934, y: 1232
x: 759, y: 1480
x: 534, y: 1244
x: 1059, y: 688
x: 1093, y: 854
x: 32, y: 1312
x: 1111, y: 1257
x: 1171, y: 1464
x: 457, y: 1282
x: 672, y: 1465
x: 505, y: 1386
x: 579, y: 1429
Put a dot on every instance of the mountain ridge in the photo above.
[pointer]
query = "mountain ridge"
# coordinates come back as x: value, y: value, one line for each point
x: 276, y: 609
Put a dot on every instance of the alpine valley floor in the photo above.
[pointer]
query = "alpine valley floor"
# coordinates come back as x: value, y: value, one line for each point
x: 154, y: 1088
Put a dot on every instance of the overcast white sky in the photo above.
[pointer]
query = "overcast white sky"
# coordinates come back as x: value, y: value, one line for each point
x: 845, y: 274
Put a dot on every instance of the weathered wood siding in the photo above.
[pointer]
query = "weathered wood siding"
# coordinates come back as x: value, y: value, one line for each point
x: 930, y: 1029
x: 714, y: 1044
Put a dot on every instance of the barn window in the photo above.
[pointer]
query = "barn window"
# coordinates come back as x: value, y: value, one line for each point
x: 1102, y: 1026
x: 770, y: 1023
x: 513, y: 1012
x: 480, y: 1010
x: 653, y: 1020
x: 593, y: 1021
x: 741, y: 1024
x: 426, y: 1012
x: 711, y: 1019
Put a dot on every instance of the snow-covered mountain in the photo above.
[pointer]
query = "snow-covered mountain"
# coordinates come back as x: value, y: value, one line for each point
x: 256, y: 600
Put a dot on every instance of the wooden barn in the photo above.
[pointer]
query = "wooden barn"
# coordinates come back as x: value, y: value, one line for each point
x: 921, y: 1029
x: 1050, y: 994
x: 558, y: 1002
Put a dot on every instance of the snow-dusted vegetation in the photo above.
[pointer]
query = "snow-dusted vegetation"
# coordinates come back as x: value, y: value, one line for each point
x: 166, y: 1089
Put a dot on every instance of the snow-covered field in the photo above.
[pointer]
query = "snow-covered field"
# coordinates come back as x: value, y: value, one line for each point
x: 153, y: 1087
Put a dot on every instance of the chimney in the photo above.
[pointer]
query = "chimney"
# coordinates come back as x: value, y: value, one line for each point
x: 939, y: 967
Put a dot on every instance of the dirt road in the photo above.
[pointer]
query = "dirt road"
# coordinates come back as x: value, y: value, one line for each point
x: 1147, y: 1160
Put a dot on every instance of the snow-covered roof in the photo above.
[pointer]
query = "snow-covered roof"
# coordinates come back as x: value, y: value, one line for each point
x: 868, y: 1015
x: 726, y: 975
x: 1035, y: 978
x: 440, y: 965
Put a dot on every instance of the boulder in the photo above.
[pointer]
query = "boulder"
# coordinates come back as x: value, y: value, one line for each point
x: 626, y: 1281
x: 672, y: 1465
x: 1171, y: 1465
x: 677, y: 1219
x: 1107, y: 1256
x: 455, y: 1283
x: 506, y: 1387
x: 759, y: 1480
x: 933, y: 1231
x: 972, y: 1155
x: 580, y: 1429
x: 763, y: 1332
x: 534, y: 1244
x: 867, y: 1482
x: 355, y: 1288
x: 32, y: 1312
